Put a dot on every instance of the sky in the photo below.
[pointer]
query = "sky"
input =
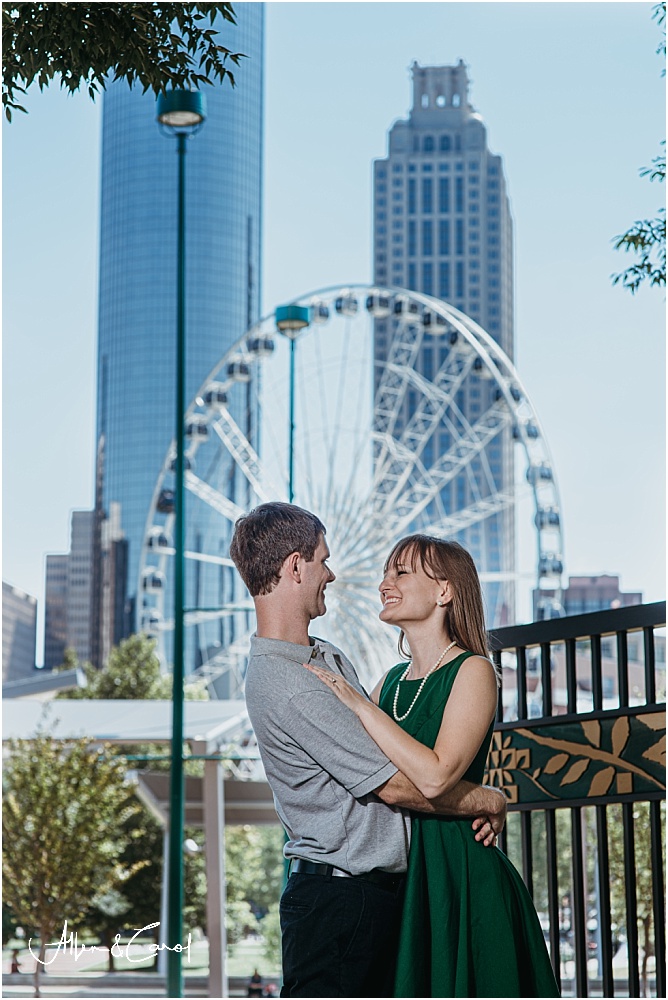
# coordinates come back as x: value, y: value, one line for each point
x: 573, y: 100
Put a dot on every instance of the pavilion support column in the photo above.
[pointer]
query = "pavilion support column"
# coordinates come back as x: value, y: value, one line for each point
x: 214, y: 832
x: 162, y: 955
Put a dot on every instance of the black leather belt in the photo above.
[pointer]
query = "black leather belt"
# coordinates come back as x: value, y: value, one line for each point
x: 388, y: 880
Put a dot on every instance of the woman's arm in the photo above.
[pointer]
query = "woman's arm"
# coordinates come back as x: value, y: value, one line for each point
x: 466, y: 719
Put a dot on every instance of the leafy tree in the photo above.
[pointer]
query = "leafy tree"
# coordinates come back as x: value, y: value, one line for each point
x: 157, y: 45
x: 646, y: 238
x: 62, y: 831
x: 643, y: 880
x: 132, y: 671
x: 271, y: 934
x: 254, y: 865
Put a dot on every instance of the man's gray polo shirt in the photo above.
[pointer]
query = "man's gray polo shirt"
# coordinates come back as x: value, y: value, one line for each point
x: 320, y: 762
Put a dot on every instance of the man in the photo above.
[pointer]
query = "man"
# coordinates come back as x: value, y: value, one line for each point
x: 341, y: 801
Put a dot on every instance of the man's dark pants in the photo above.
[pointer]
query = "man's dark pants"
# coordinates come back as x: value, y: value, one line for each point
x: 339, y: 936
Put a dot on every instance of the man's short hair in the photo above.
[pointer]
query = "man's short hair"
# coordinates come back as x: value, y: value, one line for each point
x: 264, y: 538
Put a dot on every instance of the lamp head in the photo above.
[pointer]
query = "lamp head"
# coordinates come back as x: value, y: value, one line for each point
x: 181, y: 110
x: 291, y: 319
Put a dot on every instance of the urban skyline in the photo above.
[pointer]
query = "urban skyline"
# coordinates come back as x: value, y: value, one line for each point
x: 575, y: 332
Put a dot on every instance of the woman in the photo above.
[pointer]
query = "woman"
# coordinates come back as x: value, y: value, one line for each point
x: 469, y: 928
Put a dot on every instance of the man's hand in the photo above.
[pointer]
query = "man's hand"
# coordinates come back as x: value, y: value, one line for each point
x: 489, y: 827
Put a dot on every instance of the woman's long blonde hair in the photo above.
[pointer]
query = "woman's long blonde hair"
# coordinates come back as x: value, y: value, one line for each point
x: 442, y: 560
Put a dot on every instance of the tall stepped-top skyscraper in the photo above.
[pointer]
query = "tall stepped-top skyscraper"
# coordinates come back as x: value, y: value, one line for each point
x: 137, y: 299
x: 442, y: 226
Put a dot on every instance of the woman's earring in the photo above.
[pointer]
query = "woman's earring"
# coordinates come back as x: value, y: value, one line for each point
x: 441, y: 604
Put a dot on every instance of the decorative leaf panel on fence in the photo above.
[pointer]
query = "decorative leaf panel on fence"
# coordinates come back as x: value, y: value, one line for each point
x: 609, y: 758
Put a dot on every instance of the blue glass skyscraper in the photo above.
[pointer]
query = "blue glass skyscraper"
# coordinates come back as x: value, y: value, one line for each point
x: 137, y: 284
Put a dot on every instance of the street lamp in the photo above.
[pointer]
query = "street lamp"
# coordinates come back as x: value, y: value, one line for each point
x: 180, y: 113
x: 290, y: 321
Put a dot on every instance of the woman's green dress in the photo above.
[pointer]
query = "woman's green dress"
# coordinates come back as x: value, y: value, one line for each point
x: 469, y: 927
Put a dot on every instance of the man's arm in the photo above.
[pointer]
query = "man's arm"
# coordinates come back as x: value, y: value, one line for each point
x: 465, y: 799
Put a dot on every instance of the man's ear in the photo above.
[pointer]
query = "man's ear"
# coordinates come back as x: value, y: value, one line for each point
x: 291, y: 568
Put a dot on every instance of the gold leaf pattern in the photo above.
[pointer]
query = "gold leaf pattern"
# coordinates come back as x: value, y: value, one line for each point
x: 655, y: 720
x: 657, y: 752
x: 592, y: 730
x: 555, y: 763
x: 575, y: 771
x: 601, y: 782
x: 620, y: 735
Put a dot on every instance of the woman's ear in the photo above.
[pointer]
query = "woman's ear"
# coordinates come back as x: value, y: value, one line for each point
x: 445, y: 594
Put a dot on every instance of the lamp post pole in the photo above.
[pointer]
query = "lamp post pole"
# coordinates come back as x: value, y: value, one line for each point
x: 183, y: 112
x: 291, y: 443
x: 290, y: 321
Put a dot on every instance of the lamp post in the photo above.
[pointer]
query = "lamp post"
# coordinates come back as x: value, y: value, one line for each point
x: 180, y: 113
x: 290, y: 321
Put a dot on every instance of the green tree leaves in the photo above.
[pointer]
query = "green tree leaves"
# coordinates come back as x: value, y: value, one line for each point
x: 157, y: 45
x: 646, y: 238
x: 63, y: 837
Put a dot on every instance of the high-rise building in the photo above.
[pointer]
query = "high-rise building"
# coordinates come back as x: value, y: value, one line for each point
x: 442, y: 226
x: 55, y: 610
x: 69, y: 595
x: 19, y: 632
x: 137, y: 297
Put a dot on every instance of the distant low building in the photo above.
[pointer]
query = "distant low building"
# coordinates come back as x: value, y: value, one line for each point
x: 585, y: 594
x: 19, y: 633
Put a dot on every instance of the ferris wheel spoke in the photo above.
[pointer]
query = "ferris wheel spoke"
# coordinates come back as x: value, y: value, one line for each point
x: 457, y: 459
x: 435, y: 399
x: 391, y: 388
x: 198, y: 557
x: 243, y: 453
x: 216, y: 500
x: 474, y: 513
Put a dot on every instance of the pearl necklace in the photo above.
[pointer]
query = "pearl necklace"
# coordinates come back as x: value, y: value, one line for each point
x: 400, y: 718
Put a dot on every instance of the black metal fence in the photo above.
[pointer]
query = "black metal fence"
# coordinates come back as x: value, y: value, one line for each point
x: 579, y: 749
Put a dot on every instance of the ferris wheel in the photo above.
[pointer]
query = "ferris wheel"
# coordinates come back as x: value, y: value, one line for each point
x: 387, y: 412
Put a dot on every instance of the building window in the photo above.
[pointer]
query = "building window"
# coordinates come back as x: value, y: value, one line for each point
x: 459, y: 236
x: 444, y: 279
x: 428, y: 144
x: 427, y: 205
x: 459, y: 279
x: 411, y: 276
x: 445, y: 144
x: 412, y: 238
x: 459, y: 194
x: 444, y: 194
x: 412, y: 207
x: 444, y: 237
x: 428, y: 279
x: 427, y: 238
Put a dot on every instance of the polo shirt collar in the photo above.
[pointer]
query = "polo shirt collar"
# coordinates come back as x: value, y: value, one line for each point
x: 290, y: 650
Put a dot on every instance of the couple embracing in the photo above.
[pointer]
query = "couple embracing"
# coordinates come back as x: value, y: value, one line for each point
x: 396, y: 886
